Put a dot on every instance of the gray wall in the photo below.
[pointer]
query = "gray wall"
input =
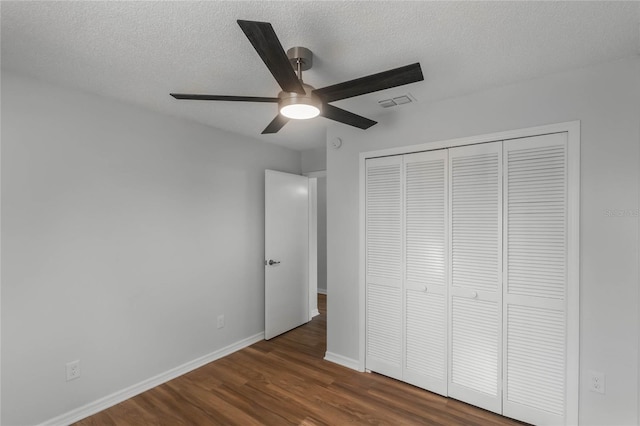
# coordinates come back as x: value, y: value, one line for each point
x: 314, y: 160
x: 124, y: 234
x: 322, y: 235
x: 606, y: 98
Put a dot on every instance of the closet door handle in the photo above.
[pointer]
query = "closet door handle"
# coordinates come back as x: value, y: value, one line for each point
x: 473, y: 295
x: 425, y: 289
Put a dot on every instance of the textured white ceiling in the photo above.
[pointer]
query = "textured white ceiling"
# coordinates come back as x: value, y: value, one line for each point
x: 140, y: 51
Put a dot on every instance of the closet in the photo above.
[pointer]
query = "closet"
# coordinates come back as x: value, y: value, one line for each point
x: 466, y: 273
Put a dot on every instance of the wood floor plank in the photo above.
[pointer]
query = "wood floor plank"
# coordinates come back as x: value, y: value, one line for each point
x: 286, y: 381
x: 303, y: 403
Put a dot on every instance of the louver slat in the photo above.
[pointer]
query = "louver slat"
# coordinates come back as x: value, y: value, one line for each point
x: 536, y: 358
x: 383, y: 205
x: 425, y: 221
x: 474, y: 345
x: 426, y: 334
x: 383, y: 316
x: 530, y: 230
x: 475, y: 221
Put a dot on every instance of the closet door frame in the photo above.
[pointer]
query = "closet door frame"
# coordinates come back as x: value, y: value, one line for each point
x: 573, y: 239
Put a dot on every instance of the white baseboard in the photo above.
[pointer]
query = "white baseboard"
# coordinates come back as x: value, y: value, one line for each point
x: 342, y: 360
x: 315, y: 313
x: 322, y: 291
x: 124, y: 394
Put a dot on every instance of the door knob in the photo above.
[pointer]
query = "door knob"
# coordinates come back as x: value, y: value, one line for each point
x: 474, y: 294
x: 272, y: 262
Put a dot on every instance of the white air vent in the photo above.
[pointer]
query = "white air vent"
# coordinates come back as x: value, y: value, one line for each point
x: 401, y: 100
x: 395, y: 101
x: 387, y: 103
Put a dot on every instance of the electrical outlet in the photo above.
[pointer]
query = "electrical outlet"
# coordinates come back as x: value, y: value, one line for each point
x: 73, y: 370
x: 220, y: 321
x: 596, y: 381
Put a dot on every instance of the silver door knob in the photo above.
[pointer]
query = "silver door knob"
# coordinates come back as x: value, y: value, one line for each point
x: 272, y: 262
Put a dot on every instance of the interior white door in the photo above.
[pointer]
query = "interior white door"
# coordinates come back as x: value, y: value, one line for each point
x: 475, y: 290
x: 286, y: 301
x: 425, y: 278
x: 535, y: 279
x: 383, y: 263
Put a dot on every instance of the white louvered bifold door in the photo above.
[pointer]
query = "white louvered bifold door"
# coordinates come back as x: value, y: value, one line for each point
x: 425, y: 283
x: 475, y: 290
x: 383, y: 263
x: 535, y: 278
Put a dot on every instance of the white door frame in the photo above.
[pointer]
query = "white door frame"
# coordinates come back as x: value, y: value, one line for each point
x: 313, y: 248
x: 313, y: 240
x: 573, y: 261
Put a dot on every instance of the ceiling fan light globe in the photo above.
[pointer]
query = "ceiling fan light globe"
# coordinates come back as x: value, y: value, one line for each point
x: 300, y: 111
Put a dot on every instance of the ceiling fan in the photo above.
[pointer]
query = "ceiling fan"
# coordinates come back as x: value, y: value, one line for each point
x: 298, y: 100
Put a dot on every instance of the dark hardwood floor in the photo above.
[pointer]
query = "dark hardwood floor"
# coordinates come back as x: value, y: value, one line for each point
x: 285, y: 381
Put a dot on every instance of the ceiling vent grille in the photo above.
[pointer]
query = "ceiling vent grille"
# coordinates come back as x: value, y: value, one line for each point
x: 398, y: 100
x: 387, y: 103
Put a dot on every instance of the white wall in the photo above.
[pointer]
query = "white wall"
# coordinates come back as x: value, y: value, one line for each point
x: 606, y: 98
x: 124, y: 234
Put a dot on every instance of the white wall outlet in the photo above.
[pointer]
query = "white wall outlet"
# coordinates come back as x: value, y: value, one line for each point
x: 596, y: 381
x: 73, y: 370
x: 220, y: 321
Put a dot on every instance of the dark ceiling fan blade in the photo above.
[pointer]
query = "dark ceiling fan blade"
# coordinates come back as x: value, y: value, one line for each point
x: 346, y: 117
x: 265, y: 41
x: 223, y: 98
x: 371, y: 83
x: 276, y: 124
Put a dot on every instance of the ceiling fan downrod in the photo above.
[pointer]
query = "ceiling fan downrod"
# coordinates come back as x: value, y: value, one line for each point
x: 301, y: 59
x: 299, y: 69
